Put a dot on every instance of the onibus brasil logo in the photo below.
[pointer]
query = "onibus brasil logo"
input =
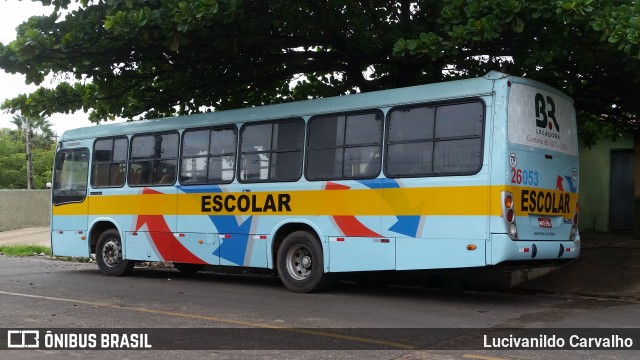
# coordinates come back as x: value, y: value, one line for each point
x: 82, y: 339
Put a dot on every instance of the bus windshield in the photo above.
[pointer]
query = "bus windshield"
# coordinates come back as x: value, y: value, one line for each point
x: 70, y: 176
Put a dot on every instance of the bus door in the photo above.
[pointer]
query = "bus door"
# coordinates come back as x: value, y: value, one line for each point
x: 69, y: 203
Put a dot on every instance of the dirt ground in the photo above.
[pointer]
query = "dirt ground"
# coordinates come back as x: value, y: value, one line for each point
x: 29, y: 236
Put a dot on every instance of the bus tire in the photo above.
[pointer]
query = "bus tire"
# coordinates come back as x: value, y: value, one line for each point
x: 300, y: 263
x: 188, y: 268
x: 109, y: 255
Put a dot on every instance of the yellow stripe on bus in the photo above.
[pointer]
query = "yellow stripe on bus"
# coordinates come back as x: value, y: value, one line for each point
x: 454, y: 200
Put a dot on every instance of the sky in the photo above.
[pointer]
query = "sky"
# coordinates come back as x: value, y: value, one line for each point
x: 12, y: 14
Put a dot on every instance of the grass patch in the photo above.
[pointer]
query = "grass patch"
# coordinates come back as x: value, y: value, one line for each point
x: 24, y: 250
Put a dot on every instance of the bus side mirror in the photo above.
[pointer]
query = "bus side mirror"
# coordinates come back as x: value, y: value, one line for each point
x: 59, y: 160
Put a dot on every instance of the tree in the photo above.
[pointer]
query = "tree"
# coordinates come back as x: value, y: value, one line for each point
x: 41, y: 133
x: 37, y: 134
x: 13, y: 165
x: 153, y: 58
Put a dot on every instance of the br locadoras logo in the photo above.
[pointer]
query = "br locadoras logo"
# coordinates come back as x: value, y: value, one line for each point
x: 546, y: 117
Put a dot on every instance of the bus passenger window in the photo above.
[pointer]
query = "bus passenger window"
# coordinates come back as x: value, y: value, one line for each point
x: 109, y: 162
x: 344, y: 146
x: 435, y: 140
x: 271, y: 151
x: 208, y: 156
x: 153, y: 159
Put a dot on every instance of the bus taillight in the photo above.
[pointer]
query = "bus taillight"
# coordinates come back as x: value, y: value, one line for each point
x: 508, y: 202
x: 508, y: 214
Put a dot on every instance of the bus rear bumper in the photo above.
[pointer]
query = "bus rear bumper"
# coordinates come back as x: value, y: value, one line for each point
x: 503, y: 249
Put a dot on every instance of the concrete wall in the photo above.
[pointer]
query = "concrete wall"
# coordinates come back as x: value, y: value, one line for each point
x: 595, y: 170
x: 21, y: 209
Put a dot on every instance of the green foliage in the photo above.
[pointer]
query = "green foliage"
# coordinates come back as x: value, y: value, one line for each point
x: 24, y: 250
x: 14, y: 165
x: 40, y: 131
x: 155, y: 58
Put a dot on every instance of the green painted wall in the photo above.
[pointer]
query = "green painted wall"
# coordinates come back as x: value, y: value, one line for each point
x: 594, y: 182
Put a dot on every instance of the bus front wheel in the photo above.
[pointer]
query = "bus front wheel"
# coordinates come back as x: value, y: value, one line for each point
x: 300, y: 263
x: 109, y: 255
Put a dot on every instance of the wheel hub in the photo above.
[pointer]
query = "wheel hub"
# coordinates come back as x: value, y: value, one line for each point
x: 299, y: 262
x: 111, y: 253
x: 306, y: 262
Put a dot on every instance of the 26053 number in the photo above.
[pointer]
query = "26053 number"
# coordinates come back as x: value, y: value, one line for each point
x: 525, y: 177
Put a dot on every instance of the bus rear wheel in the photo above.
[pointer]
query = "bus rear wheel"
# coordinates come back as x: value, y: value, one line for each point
x: 109, y: 255
x: 300, y: 263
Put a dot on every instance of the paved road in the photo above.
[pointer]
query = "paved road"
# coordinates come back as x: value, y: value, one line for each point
x: 42, y: 293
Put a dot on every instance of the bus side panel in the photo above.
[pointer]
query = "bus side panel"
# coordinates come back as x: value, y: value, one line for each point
x: 361, y: 253
x: 196, y: 248
x: 446, y: 242
x: 256, y: 252
x: 199, y: 237
x: 139, y: 245
x: 443, y: 225
x: 69, y: 235
x: 243, y: 249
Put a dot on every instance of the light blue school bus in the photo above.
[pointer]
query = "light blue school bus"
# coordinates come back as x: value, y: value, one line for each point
x: 465, y: 173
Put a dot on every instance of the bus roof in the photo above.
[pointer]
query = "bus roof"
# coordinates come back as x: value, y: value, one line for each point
x: 376, y: 99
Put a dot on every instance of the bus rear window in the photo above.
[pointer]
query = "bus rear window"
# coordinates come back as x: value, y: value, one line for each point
x: 542, y: 119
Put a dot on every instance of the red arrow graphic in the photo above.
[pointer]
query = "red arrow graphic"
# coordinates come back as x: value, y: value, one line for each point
x: 350, y: 225
x: 170, y: 248
x: 559, y: 184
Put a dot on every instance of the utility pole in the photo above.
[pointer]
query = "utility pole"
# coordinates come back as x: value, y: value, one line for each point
x: 27, y: 130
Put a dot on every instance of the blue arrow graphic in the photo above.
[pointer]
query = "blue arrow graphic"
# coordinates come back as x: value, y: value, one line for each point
x: 572, y: 187
x: 234, y: 248
x: 406, y: 224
